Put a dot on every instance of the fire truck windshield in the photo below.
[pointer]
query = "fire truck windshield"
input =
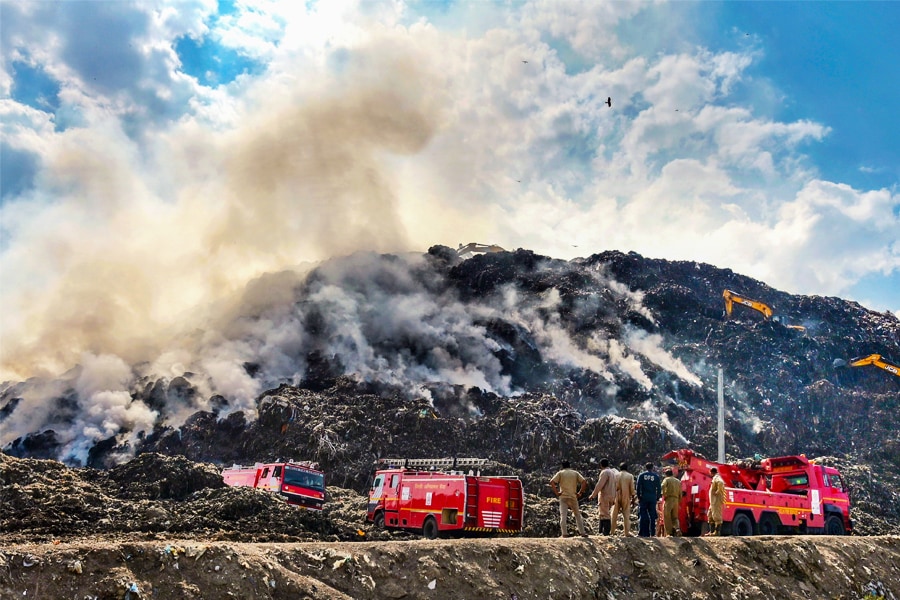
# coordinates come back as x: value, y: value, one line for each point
x: 301, y: 478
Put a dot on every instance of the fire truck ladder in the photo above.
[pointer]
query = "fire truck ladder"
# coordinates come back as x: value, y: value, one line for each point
x: 432, y: 463
x: 309, y: 464
x: 515, y: 507
x: 471, y: 503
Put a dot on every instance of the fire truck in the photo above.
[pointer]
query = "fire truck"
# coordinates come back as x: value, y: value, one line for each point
x: 436, y: 498
x: 301, y: 483
x: 783, y: 495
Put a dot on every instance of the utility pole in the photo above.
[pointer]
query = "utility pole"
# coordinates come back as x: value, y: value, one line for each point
x: 721, y: 418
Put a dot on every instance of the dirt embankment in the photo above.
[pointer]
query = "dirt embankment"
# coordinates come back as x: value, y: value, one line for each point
x: 508, y: 568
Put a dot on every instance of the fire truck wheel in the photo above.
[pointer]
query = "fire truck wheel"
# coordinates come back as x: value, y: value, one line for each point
x: 430, y: 528
x: 768, y: 524
x: 834, y: 525
x: 379, y: 520
x: 741, y: 525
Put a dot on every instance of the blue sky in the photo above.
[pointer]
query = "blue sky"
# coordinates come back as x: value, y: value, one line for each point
x: 247, y: 137
x: 834, y: 63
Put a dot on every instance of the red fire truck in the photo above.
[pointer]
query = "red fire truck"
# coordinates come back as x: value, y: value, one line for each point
x: 783, y: 495
x: 301, y: 483
x: 434, y: 497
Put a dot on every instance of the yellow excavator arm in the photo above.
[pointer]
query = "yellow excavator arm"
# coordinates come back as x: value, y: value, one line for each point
x: 875, y: 360
x: 732, y: 297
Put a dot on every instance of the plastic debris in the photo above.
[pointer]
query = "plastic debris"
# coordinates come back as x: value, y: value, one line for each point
x: 75, y: 567
x: 131, y: 588
x: 432, y: 584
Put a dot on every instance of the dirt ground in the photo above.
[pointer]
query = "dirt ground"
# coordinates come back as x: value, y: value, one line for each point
x: 507, y: 568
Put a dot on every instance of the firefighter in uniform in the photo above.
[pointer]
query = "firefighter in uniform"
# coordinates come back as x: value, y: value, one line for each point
x: 671, y: 491
x: 716, y: 502
x: 605, y: 492
x: 568, y: 485
x: 624, y: 499
x: 648, y: 493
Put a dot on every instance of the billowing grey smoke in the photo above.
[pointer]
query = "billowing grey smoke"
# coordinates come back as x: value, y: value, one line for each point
x: 402, y: 323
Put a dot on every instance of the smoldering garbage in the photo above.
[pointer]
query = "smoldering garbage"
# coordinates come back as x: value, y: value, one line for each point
x: 510, y: 356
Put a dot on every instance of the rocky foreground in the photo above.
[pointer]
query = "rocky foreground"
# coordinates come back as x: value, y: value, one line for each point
x: 510, y: 568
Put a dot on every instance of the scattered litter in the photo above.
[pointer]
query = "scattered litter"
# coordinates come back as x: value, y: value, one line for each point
x: 432, y: 584
x: 131, y: 588
x: 74, y: 567
x: 195, y: 552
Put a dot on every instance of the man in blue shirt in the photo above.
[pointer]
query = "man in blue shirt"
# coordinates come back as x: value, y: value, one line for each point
x: 648, y: 490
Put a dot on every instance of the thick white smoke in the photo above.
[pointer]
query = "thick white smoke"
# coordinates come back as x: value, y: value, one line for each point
x: 650, y: 346
x: 128, y: 241
x: 386, y: 319
x: 183, y: 256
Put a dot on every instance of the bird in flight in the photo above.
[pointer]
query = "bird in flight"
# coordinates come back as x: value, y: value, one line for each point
x: 525, y: 61
x: 609, y: 102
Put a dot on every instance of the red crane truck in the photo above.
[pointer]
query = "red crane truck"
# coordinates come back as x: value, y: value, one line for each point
x: 301, y: 483
x: 432, y: 496
x: 782, y: 495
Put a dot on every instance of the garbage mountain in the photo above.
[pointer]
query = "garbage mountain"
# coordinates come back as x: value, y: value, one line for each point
x: 511, y: 356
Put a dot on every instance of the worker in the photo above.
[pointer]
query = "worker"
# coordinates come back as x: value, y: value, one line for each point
x: 624, y: 500
x: 660, y: 521
x: 605, y: 493
x: 648, y: 493
x: 568, y: 485
x: 671, y: 491
x: 716, y: 502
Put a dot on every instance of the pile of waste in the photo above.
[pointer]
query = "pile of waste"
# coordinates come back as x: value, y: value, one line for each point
x: 513, y: 357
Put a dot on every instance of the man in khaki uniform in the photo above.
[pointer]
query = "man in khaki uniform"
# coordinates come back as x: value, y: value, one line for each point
x: 568, y: 485
x: 716, y: 502
x: 671, y: 491
x: 624, y: 499
x: 605, y: 492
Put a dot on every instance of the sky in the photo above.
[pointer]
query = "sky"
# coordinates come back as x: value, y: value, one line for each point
x: 158, y: 156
